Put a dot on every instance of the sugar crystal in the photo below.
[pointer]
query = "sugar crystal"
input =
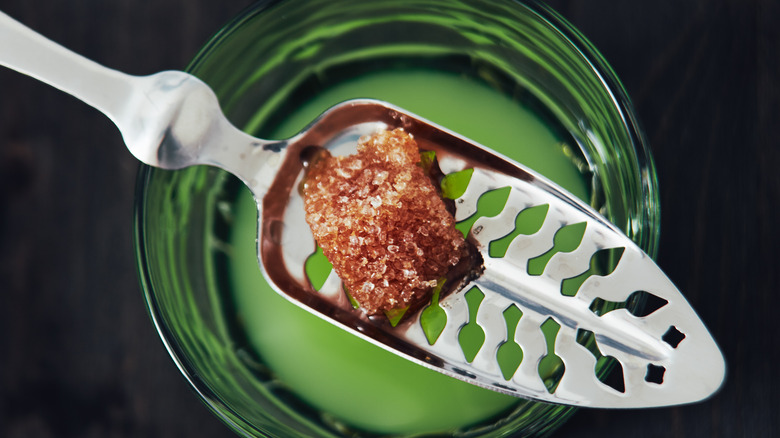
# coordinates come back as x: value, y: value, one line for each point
x: 379, y: 220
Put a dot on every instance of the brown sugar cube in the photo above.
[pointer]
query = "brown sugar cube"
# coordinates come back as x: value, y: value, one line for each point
x: 380, y: 221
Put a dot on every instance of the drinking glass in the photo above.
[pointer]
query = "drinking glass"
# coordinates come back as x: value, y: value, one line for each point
x: 279, y: 58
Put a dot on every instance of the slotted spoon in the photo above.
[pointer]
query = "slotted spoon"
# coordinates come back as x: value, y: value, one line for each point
x: 173, y: 120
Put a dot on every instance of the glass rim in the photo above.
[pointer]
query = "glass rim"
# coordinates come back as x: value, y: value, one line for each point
x: 209, y: 397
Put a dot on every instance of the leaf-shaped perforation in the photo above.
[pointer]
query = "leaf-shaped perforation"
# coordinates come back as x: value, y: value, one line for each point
x: 567, y: 239
x: 603, y: 262
x: 642, y: 303
x: 317, y: 269
x: 639, y: 304
x: 433, y: 318
x: 551, y: 366
x: 509, y: 355
x: 321, y: 275
x: 447, y: 346
x: 527, y: 222
x: 471, y: 336
x: 490, y: 204
x: 454, y: 185
x: 607, y: 369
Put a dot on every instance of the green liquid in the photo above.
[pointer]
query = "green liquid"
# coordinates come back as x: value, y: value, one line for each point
x: 350, y: 379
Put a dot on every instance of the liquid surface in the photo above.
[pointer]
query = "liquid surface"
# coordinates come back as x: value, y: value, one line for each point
x: 346, y: 377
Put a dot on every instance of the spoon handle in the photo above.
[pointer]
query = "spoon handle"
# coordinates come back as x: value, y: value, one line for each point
x: 28, y: 52
x: 169, y: 119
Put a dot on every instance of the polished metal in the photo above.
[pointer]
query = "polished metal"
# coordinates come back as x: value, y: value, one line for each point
x: 173, y: 120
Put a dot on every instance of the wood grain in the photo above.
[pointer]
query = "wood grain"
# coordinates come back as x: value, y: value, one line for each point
x: 79, y: 357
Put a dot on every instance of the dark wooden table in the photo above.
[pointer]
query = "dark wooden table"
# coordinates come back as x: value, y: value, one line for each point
x: 79, y: 357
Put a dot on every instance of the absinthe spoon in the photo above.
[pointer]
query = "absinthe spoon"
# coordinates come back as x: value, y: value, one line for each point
x: 172, y: 120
